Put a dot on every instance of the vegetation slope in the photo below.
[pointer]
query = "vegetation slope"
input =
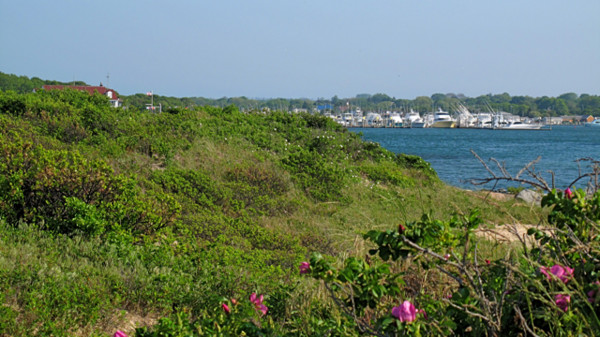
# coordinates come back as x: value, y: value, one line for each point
x: 112, y: 218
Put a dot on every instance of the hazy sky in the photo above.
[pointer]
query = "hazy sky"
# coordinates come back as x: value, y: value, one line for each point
x: 306, y: 48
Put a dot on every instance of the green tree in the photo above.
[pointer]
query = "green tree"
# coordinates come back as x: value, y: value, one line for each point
x: 560, y: 107
x: 423, y: 103
x: 378, y: 98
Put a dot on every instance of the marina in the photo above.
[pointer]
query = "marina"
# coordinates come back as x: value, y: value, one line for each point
x: 462, y: 118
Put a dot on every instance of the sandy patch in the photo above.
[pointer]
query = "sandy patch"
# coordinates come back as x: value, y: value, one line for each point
x: 509, y: 233
x: 128, y: 322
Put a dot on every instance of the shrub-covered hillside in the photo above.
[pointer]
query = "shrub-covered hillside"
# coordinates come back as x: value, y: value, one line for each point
x: 112, y: 218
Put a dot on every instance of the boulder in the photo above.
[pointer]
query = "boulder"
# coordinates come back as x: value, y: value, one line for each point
x: 530, y: 197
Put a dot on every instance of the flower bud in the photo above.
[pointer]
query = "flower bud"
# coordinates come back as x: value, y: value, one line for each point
x: 401, y: 229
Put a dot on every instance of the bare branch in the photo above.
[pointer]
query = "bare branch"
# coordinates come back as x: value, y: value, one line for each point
x: 528, y: 166
x: 535, y: 178
x: 484, y: 164
x: 524, y: 322
x: 501, y: 167
x: 474, y: 314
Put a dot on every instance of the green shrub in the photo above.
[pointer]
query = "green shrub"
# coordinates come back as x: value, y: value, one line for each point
x: 321, y: 179
x: 515, y: 190
x: 66, y: 193
x: 415, y: 162
x: 195, y: 185
x: 321, y: 122
x: 12, y: 103
x: 386, y: 173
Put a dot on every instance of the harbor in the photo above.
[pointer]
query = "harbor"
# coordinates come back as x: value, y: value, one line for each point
x: 461, y: 118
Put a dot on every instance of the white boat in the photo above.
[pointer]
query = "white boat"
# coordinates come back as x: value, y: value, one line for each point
x: 503, y: 121
x: 594, y: 123
x: 442, y: 119
x: 517, y: 125
x: 395, y: 120
x: 357, y: 118
x: 465, y: 119
x: 374, y: 119
x: 484, y: 120
x: 427, y: 121
x: 413, y: 119
x: 347, y: 119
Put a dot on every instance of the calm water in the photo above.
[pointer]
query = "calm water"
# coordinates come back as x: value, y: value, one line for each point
x: 448, y: 150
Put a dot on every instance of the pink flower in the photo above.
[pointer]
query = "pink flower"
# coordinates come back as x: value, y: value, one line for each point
x: 591, y: 296
x: 258, y: 303
x: 304, y: 268
x: 568, y: 193
x: 562, y: 301
x: 405, y: 312
x: 447, y: 256
x: 256, y: 299
x: 563, y: 273
x: 119, y: 333
x: 422, y: 311
x: 233, y: 301
x: 225, y: 308
x: 488, y: 262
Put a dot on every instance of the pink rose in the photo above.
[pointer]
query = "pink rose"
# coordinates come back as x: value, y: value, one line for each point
x: 258, y: 303
x: 405, y: 312
x: 119, y: 333
x: 225, y: 308
x: 562, y: 301
x: 568, y: 193
x: 563, y: 273
x: 304, y: 268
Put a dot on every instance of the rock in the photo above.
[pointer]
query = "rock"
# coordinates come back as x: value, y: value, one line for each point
x: 500, y: 196
x: 530, y: 197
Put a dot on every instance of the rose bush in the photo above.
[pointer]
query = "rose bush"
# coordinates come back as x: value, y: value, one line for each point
x: 504, y: 296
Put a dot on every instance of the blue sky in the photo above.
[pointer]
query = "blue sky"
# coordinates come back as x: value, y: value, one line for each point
x: 306, y: 48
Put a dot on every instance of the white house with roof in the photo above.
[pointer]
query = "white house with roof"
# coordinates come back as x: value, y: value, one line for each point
x: 112, y: 95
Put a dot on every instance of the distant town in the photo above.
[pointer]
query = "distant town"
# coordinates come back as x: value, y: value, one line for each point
x: 366, y: 110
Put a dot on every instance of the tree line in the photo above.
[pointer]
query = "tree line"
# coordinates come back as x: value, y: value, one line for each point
x: 545, y: 106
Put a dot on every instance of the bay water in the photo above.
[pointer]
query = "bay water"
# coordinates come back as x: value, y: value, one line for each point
x: 449, y: 151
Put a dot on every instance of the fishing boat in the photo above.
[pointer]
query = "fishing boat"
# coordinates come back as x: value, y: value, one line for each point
x: 442, y: 119
x: 374, y: 119
x: 413, y: 119
x: 484, y: 120
x: 425, y: 122
x: 500, y: 123
x: 465, y: 119
x: 395, y: 120
x: 520, y: 126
